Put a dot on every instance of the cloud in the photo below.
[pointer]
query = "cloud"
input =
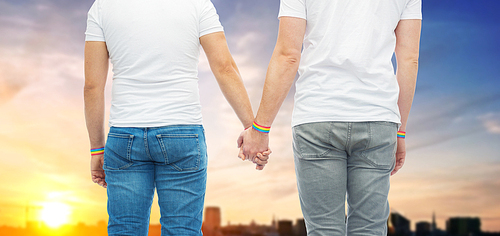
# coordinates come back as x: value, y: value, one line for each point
x: 447, y: 118
x: 491, y: 122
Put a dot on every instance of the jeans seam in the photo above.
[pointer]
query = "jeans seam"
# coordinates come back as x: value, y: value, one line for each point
x: 348, y: 138
x: 146, y: 145
x: 163, y: 149
x: 129, y: 147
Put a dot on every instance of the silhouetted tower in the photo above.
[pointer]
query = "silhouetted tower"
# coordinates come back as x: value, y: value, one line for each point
x: 212, y: 217
x: 285, y: 228
x: 423, y: 229
x: 273, y: 224
x: 463, y: 226
x: 398, y: 225
x: 300, y: 228
x: 211, y: 223
x: 433, y: 229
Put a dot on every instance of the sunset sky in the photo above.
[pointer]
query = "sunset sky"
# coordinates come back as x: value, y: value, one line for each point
x: 453, y: 139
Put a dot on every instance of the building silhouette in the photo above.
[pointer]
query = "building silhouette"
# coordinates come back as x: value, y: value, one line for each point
x: 285, y: 228
x: 398, y: 225
x: 463, y: 226
x: 423, y: 229
x: 433, y: 227
x: 300, y: 227
x: 211, y: 223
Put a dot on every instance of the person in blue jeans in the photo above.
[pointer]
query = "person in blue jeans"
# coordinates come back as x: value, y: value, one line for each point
x: 156, y: 138
x: 351, y: 109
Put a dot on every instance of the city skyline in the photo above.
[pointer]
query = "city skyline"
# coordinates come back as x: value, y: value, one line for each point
x: 398, y: 225
x: 453, y: 159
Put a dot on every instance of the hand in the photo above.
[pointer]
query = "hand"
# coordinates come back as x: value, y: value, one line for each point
x: 252, y: 142
x: 261, y: 159
x: 400, y: 155
x: 96, y: 170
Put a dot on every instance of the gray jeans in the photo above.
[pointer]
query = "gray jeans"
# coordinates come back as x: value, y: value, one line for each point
x: 335, y: 158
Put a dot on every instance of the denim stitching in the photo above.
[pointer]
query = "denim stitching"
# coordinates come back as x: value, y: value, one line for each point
x: 197, y: 159
x: 301, y: 148
x: 363, y: 153
x: 164, y: 149
x: 348, y: 138
x: 146, y: 145
x: 129, y: 147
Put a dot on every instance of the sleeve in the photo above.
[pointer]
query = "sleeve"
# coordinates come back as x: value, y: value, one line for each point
x: 413, y: 10
x: 293, y: 8
x: 94, y: 30
x: 209, y: 20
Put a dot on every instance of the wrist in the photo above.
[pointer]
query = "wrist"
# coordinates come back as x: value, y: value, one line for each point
x: 401, y: 134
x: 97, y: 151
x: 261, y: 128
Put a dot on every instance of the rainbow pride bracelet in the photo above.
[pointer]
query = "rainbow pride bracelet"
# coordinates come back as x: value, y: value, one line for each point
x: 261, y: 128
x: 401, y: 134
x: 97, y: 151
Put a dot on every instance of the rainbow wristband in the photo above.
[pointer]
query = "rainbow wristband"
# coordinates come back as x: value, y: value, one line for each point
x: 97, y: 151
x: 261, y: 128
x: 401, y: 134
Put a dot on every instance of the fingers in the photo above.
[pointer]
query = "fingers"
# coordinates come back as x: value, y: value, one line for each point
x: 97, y: 172
x: 240, y: 139
x: 241, y: 155
x: 99, y: 178
x: 267, y: 153
x: 262, y: 156
x: 259, y: 167
x: 400, y: 160
x: 260, y: 160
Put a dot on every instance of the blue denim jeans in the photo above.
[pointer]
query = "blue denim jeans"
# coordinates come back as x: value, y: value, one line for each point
x: 170, y: 159
x: 338, y: 159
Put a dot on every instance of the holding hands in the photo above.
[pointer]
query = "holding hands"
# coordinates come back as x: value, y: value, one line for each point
x: 254, y: 146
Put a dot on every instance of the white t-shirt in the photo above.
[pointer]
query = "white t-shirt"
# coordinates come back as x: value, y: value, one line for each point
x: 345, y: 72
x: 154, y: 47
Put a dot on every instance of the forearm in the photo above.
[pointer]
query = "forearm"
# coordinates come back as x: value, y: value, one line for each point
x: 407, y: 78
x: 96, y: 71
x: 234, y: 91
x: 94, y: 116
x: 407, y: 53
x: 279, y: 79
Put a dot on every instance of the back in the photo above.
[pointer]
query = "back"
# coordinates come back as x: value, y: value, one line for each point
x: 154, y: 48
x: 346, y: 73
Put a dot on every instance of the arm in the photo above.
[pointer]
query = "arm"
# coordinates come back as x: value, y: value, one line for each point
x: 279, y: 79
x: 227, y: 75
x: 407, y: 52
x: 96, y: 71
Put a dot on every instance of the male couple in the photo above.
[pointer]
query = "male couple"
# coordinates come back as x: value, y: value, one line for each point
x: 349, y: 118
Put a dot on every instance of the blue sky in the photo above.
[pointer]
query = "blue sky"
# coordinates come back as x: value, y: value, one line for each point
x: 453, y: 162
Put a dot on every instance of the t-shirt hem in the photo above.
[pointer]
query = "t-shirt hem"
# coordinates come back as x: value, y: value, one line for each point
x: 369, y: 119
x: 152, y: 124
x: 93, y: 38
x: 412, y: 17
x: 213, y: 30
x: 293, y: 15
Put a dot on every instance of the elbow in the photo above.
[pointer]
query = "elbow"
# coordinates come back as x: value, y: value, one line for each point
x: 407, y: 58
x: 290, y: 57
x: 225, y: 68
x: 92, y: 87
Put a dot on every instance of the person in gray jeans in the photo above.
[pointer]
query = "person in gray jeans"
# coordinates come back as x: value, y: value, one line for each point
x: 351, y: 109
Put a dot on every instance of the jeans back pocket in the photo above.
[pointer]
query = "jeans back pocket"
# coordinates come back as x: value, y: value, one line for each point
x: 182, y: 151
x: 117, y: 151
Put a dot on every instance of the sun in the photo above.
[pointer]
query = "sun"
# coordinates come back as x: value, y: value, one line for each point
x: 55, y: 214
